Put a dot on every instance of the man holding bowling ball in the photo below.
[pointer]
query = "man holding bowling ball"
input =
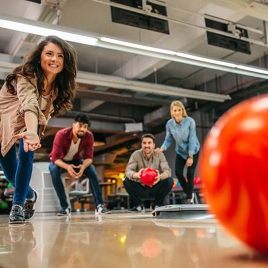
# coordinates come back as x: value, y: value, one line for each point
x: 139, y: 171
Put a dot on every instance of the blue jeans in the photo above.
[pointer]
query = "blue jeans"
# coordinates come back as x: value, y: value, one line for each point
x: 18, y: 172
x: 90, y: 172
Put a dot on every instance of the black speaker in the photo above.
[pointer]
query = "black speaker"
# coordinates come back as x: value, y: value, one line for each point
x: 227, y: 42
x: 138, y: 20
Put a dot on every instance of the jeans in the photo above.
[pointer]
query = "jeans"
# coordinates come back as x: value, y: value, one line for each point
x: 90, y: 172
x: 18, y: 172
x: 158, y: 192
x: 187, y: 185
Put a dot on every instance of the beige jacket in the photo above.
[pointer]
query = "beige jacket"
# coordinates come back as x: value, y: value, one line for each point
x: 13, y: 107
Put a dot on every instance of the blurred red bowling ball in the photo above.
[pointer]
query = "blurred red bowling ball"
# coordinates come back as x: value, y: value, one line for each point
x: 198, y: 181
x: 151, y: 247
x: 233, y: 166
x: 148, y: 176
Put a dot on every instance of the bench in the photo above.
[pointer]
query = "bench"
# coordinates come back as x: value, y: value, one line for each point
x: 41, y: 181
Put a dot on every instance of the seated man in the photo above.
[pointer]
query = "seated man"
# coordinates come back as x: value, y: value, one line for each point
x: 139, y: 160
x: 66, y: 154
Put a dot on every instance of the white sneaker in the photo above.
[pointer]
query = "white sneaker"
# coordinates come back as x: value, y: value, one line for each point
x: 192, y: 199
x: 101, y: 209
x: 64, y: 212
x: 137, y: 209
x: 154, y: 213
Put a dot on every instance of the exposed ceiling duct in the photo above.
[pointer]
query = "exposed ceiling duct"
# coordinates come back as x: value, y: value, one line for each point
x: 157, y: 117
x: 119, y: 82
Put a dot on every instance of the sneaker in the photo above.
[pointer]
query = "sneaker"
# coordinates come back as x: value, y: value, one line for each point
x: 101, y: 209
x: 29, y: 207
x: 154, y: 206
x: 192, y: 199
x: 17, y: 215
x: 189, y: 201
x: 64, y: 212
x: 137, y: 209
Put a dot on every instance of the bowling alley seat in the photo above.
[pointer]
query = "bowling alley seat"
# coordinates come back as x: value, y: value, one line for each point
x: 80, y: 192
x: 177, y: 196
x: 120, y: 196
x: 41, y: 181
x: 9, y: 191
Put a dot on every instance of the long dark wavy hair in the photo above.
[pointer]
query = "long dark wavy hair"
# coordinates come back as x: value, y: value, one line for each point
x: 64, y: 81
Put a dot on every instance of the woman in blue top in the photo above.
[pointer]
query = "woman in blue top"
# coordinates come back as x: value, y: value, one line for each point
x: 182, y: 129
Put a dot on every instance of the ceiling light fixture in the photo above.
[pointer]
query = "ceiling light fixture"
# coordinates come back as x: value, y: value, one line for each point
x: 184, y: 58
x: 199, y: 58
x: 45, y: 29
x: 132, y: 45
x: 252, y: 69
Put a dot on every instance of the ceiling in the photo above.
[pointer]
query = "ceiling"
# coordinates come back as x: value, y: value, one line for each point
x: 122, y: 113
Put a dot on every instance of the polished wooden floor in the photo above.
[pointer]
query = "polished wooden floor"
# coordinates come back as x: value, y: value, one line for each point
x: 121, y: 239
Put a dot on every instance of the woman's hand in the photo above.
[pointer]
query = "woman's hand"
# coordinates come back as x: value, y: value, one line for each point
x: 31, y: 140
x: 189, y: 162
x: 158, y: 150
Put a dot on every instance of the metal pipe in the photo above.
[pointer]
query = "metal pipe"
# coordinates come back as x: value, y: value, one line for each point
x: 103, y: 116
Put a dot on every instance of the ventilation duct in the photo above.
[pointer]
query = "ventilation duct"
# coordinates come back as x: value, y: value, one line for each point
x: 157, y: 117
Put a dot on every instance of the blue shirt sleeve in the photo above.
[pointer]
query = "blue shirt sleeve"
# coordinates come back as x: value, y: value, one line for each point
x: 192, y: 138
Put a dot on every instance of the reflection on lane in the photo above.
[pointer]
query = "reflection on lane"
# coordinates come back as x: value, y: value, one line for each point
x: 123, y: 240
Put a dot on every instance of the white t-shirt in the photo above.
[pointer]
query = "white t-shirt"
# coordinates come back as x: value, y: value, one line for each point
x: 44, y: 101
x: 72, y: 151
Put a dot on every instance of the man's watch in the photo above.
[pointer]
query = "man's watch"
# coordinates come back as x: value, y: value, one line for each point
x: 190, y: 156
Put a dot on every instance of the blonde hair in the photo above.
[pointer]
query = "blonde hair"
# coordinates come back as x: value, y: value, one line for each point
x: 178, y: 103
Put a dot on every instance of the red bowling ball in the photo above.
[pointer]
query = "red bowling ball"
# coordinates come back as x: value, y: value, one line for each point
x: 233, y: 166
x: 151, y: 247
x: 148, y: 176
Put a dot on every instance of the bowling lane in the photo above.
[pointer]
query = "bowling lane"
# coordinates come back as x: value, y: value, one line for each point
x: 122, y: 240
